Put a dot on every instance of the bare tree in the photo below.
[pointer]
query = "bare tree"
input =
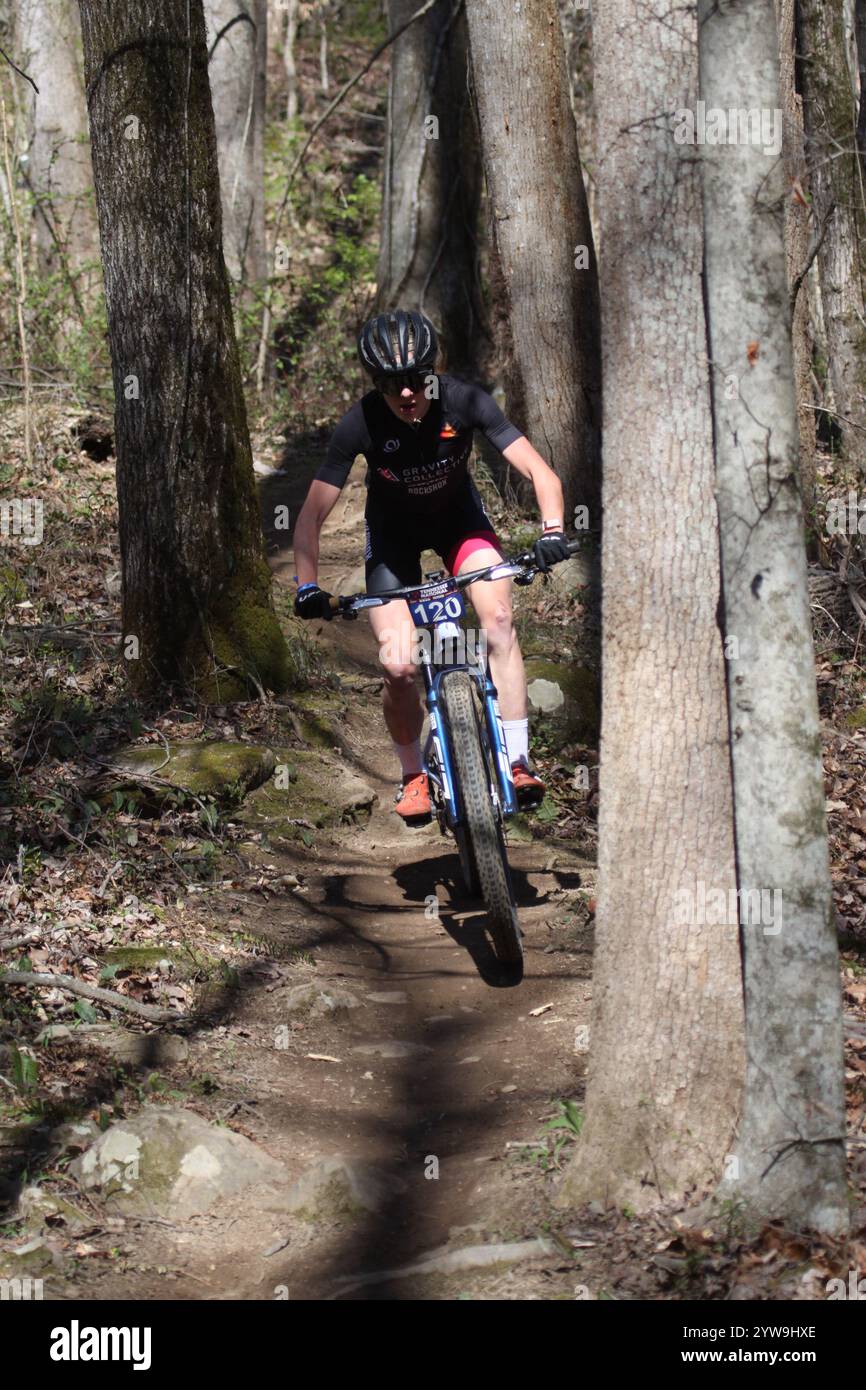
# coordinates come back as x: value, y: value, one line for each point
x: 542, y: 234
x: 237, y: 48
x: 196, y: 589
x: 830, y: 117
x: 665, y: 1062
x: 58, y: 169
x: 432, y: 184
x: 801, y: 234
x: 791, y: 1149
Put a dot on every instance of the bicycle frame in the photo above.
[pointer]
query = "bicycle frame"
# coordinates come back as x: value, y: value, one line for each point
x: 437, y: 754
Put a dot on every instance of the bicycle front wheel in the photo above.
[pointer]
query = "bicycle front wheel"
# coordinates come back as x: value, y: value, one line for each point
x: 481, y: 828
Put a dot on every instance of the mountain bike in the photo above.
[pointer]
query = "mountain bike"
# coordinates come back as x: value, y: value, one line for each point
x: 465, y: 756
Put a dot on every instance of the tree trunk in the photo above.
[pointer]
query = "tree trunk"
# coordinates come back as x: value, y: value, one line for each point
x: 289, y: 62
x: 665, y: 1061
x: 860, y: 38
x: 48, y: 41
x: 791, y: 1148
x: 428, y: 255
x: 237, y: 43
x: 543, y: 236
x: 196, y: 589
x: 797, y: 244
x: 830, y: 119
x: 324, y: 80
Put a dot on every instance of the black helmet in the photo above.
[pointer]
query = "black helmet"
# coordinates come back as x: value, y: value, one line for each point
x: 403, y: 340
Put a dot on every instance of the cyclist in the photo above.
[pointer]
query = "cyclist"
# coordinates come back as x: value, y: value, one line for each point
x: 415, y: 430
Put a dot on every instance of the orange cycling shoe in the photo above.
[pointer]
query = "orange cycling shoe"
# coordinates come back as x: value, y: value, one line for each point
x: 528, y: 788
x: 413, y: 801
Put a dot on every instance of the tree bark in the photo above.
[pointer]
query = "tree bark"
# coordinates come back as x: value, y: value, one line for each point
x: 48, y: 42
x: 830, y: 119
x: 237, y: 44
x: 542, y: 235
x: 791, y: 1148
x: 196, y: 589
x: 428, y: 256
x: 798, y: 224
x: 289, y: 61
x: 665, y: 1062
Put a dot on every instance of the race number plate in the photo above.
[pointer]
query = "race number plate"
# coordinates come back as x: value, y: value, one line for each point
x: 438, y: 610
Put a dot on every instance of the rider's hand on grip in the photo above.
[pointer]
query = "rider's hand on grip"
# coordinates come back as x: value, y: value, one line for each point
x: 549, y: 549
x: 313, y: 602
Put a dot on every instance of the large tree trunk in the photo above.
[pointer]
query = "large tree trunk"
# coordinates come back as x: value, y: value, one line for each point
x: 543, y: 236
x: 797, y: 243
x: 237, y: 44
x: 196, y: 590
x: 48, y: 42
x: 428, y: 256
x: 665, y: 1062
x: 830, y: 119
x: 791, y: 1148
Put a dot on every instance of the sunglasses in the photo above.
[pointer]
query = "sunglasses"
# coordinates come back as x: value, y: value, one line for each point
x: 393, y: 384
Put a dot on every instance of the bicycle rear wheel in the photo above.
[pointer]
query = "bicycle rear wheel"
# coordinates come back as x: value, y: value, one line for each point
x: 482, y: 829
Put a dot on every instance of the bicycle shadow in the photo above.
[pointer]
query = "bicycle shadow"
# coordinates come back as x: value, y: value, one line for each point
x: 462, y: 916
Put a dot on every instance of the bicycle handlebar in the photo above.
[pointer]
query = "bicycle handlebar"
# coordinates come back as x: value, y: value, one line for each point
x: 522, y: 566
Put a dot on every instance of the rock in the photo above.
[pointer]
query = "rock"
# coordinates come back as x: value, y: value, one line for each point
x: 317, y: 1000
x: 172, y: 1163
x: 320, y: 793
x: 391, y: 1048
x: 545, y: 696
x: 142, y: 1049
x: 36, y: 1208
x: 74, y: 1136
x: 222, y: 770
x: 335, y: 1189
x: 35, y: 1257
x: 565, y: 696
x: 573, y: 573
x: 392, y: 996
x: 137, y: 1049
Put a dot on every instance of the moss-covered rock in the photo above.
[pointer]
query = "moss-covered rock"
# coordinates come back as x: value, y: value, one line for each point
x: 172, y: 1163
x: 222, y: 770
x: 856, y: 719
x: 338, y: 1190
x: 314, y: 790
x: 566, y: 696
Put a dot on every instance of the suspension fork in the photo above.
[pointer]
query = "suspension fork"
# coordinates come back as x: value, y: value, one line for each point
x: 496, y: 734
x: 437, y: 740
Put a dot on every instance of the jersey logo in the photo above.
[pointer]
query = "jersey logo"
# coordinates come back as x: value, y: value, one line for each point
x: 386, y: 473
x: 391, y: 446
x: 448, y: 432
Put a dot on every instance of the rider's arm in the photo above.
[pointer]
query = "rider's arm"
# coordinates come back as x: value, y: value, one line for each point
x: 321, y: 499
x: 349, y: 439
x: 548, y: 489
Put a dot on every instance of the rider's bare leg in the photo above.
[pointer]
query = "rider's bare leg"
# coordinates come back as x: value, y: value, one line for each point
x: 491, y: 600
x: 401, y: 703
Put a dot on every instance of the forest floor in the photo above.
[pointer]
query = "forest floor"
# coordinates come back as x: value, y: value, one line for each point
x: 336, y: 995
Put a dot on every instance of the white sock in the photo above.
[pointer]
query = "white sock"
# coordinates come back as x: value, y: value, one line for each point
x: 410, y: 756
x: 517, y: 740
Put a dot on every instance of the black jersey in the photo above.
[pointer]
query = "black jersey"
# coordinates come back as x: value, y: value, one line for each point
x: 416, y: 469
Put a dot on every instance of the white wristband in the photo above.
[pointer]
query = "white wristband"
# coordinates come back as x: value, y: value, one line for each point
x: 552, y: 525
